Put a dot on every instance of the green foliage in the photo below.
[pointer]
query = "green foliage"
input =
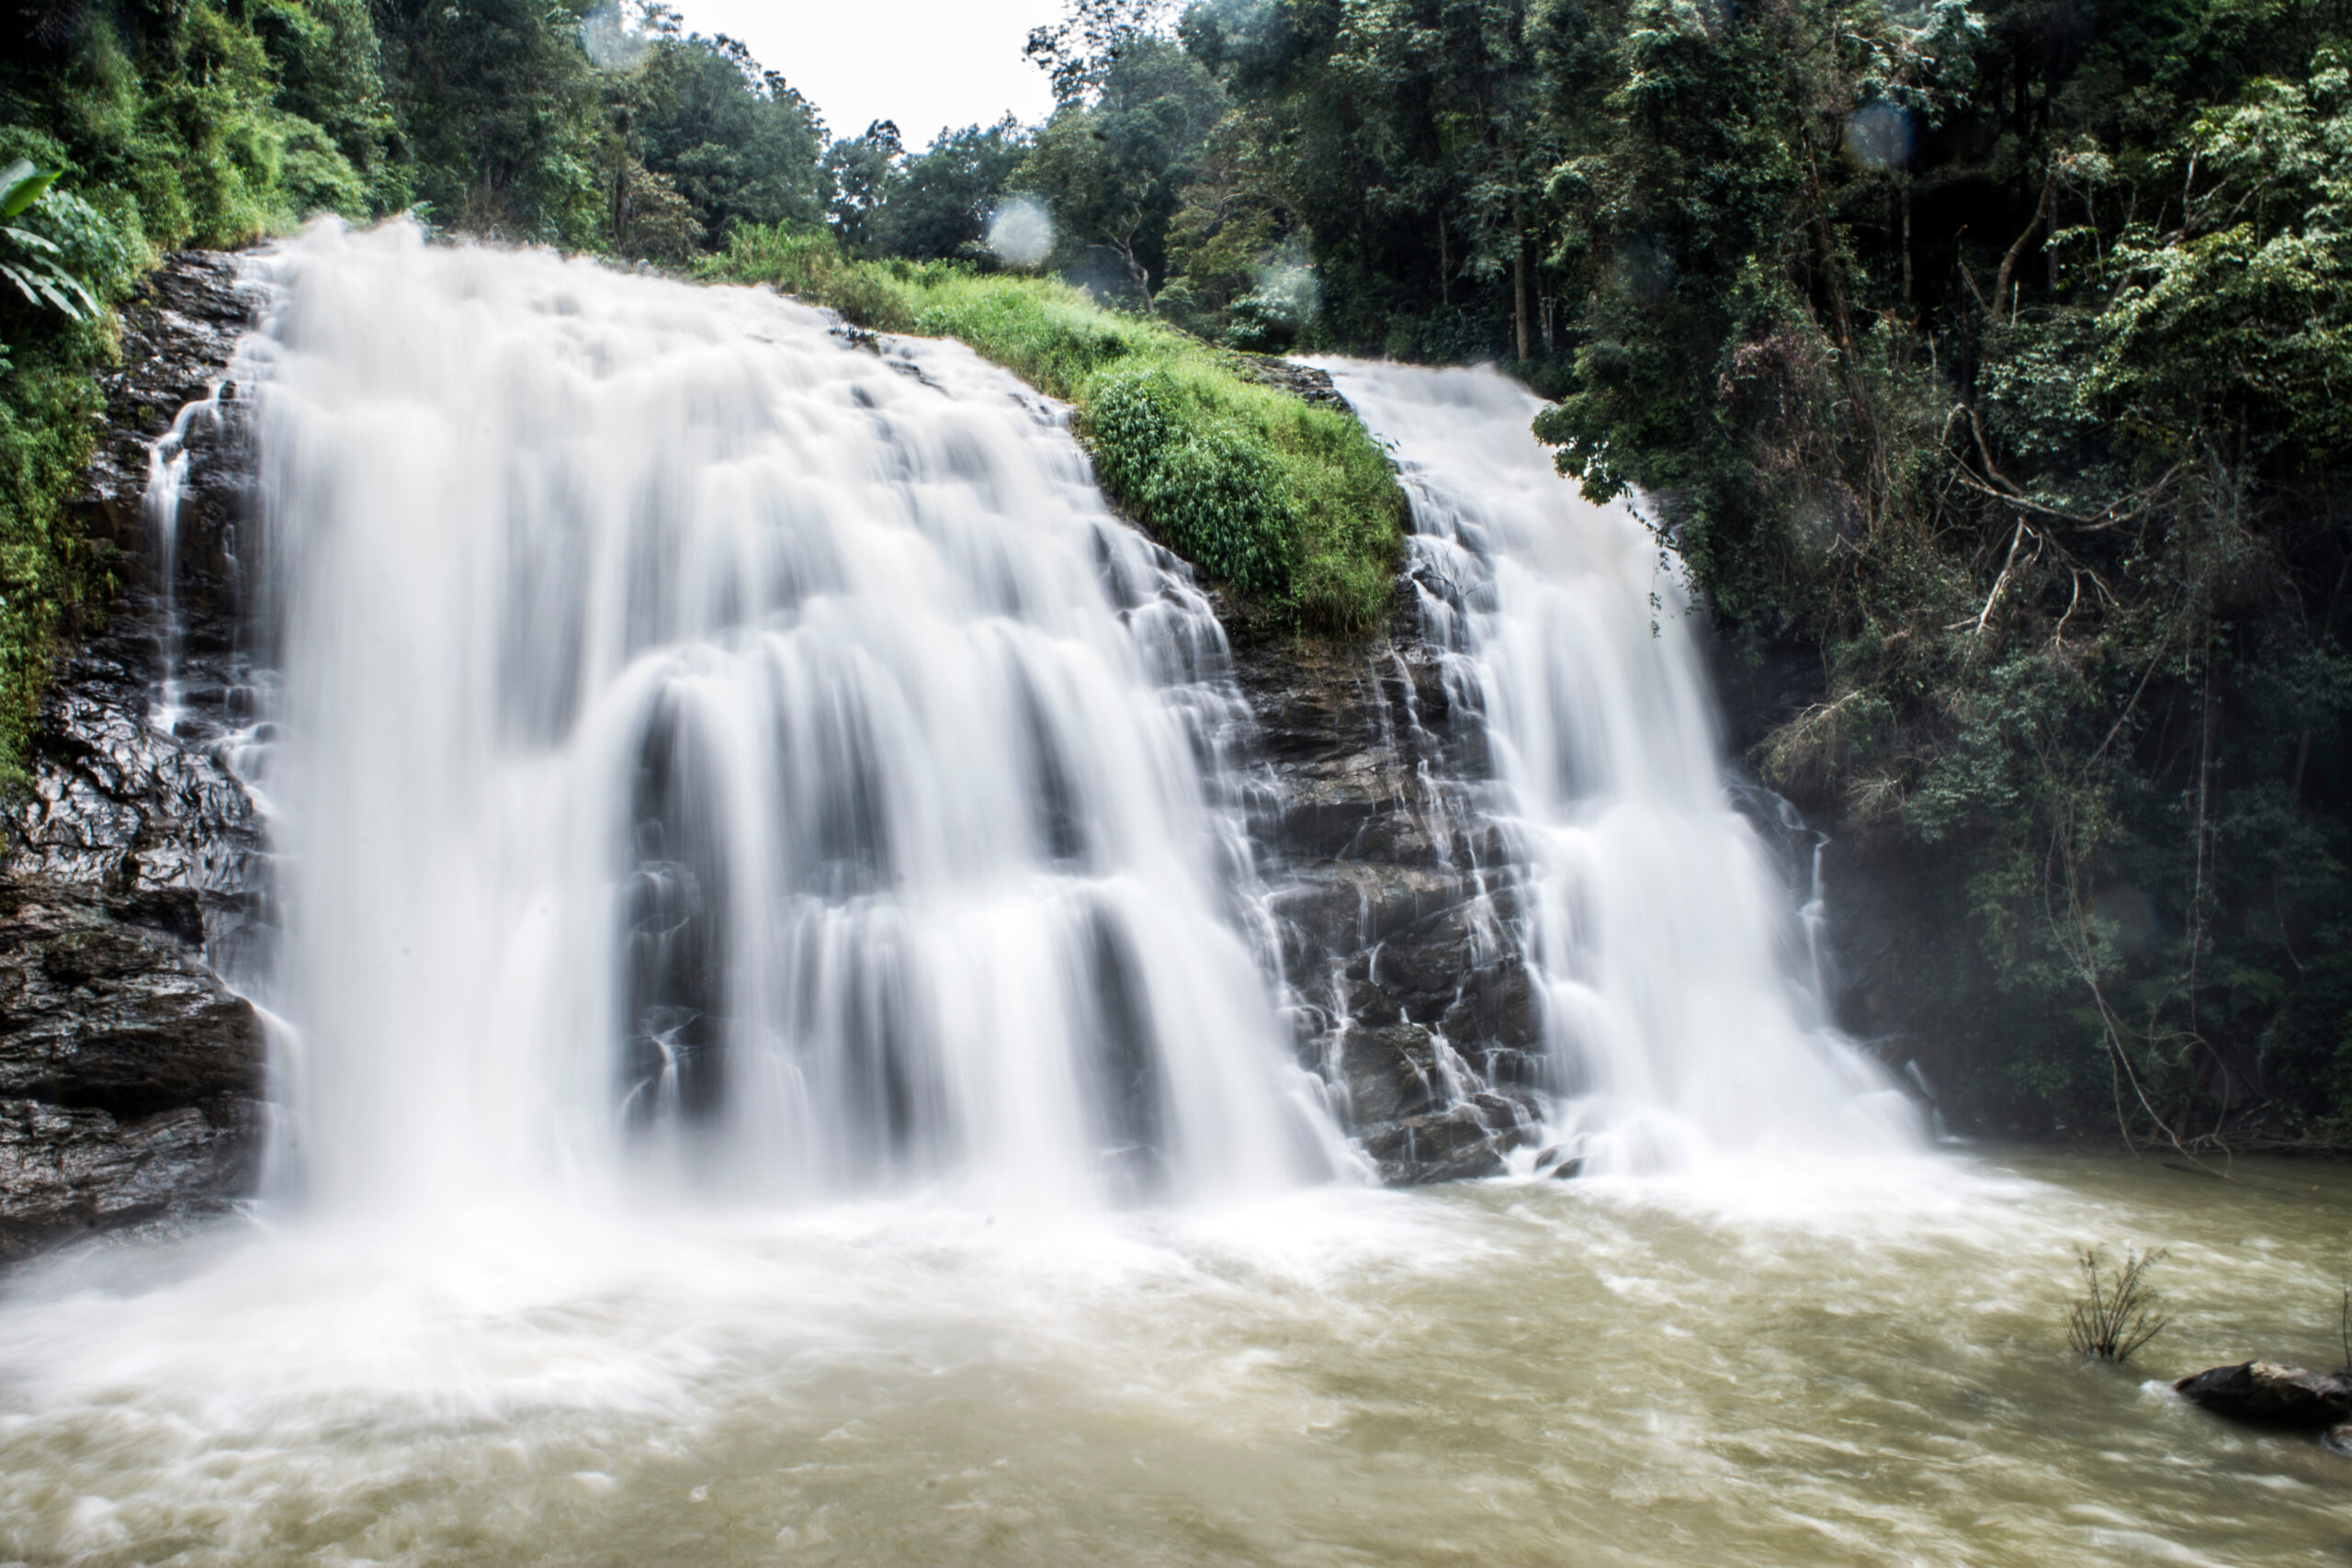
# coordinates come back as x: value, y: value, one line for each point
x: 46, y: 402
x: 211, y: 121
x: 1405, y: 144
x: 1078, y: 51
x: 40, y: 268
x: 2241, y: 319
x: 501, y: 116
x: 1113, y: 168
x: 861, y: 171
x: 939, y: 202
x: 1289, y: 502
x: 733, y: 139
x: 1213, y: 498
x: 2118, y: 1313
x: 2000, y: 370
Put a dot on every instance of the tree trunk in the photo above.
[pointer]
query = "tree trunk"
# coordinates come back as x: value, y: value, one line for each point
x: 1137, y: 271
x: 2050, y: 230
x: 1519, y: 287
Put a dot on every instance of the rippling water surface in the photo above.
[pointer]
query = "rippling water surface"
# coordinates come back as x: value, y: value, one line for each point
x: 1858, y: 1364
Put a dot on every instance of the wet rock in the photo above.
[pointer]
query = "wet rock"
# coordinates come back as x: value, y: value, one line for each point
x: 131, y: 1077
x: 131, y: 1074
x: 1302, y: 381
x: 120, y: 805
x: 116, y: 802
x: 2266, y: 1393
x: 1559, y: 1165
x: 1456, y: 1145
x: 1395, y: 901
x: 1391, y: 1072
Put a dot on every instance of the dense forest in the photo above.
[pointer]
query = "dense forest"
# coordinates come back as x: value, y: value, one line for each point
x: 1980, y: 359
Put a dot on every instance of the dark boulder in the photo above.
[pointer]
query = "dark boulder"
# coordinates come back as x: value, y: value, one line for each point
x: 1462, y: 1142
x: 2264, y: 1394
x: 130, y: 1078
x: 1302, y: 381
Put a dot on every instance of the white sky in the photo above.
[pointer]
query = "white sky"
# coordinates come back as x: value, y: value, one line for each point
x: 928, y: 64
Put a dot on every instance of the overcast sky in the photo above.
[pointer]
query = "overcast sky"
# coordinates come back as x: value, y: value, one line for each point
x: 928, y: 64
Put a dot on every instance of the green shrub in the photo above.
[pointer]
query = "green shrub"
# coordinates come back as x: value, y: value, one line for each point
x: 1216, y: 500
x: 1291, y: 504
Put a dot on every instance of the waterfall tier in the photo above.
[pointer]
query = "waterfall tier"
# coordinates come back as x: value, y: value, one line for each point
x: 708, y: 747
x: 1682, y: 1009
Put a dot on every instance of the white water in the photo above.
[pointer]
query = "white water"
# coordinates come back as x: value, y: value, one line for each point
x: 713, y: 752
x: 1683, y: 1011
x: 167, y: 462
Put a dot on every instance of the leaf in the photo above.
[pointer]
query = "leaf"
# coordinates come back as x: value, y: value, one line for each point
x: 21, y: 185
x: 47, y: 283
x: 23, y: 284
x: 88, y: 301
x: 37, y: 241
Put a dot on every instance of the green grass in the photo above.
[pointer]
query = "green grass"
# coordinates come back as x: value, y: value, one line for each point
x: 1293, y: 505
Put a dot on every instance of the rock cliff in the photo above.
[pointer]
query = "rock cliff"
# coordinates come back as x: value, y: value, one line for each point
x: 130, y: 1075
x: 1396, y: 898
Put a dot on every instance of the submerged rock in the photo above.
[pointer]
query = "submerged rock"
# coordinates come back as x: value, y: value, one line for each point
x: 2266, y: 1393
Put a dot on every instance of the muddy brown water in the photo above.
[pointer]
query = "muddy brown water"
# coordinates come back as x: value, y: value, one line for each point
x: 1854, y: 1364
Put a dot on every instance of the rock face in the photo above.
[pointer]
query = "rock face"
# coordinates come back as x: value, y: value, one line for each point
x: 130, y: 1074
x: 1395, y: 903
x: 117, y: 801
x: 2264, y: 1394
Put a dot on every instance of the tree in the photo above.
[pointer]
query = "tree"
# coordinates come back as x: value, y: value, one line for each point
x: 1411, y: 141
x: 863, y: 169
x: 1112, y: 171
x: 1078, y: 51
x: 503, y: 119
x: 938, y: 203
x: 737, y: 142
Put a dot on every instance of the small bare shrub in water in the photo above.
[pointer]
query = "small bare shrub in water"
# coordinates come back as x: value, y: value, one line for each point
x: 2119, y: 1314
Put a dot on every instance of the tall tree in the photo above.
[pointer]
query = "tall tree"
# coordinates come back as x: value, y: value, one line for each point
x: 1113, y: 169
x: 862, y: 171
x: 939, y: 203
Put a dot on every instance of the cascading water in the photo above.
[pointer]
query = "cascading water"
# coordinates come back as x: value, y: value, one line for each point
x: 708, y: 747
x: 1682, y: 1012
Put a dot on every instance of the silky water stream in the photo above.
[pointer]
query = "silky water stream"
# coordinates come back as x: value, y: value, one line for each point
x: 782, y: 1061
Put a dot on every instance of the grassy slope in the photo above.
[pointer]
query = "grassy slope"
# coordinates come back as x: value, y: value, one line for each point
x: 1292, y: 504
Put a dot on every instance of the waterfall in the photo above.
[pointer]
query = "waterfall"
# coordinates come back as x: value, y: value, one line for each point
x: 717, y: 747
x: 1682, y: 1009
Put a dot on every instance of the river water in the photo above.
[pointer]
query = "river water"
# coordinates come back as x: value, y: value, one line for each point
x: 1858, y: 1364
